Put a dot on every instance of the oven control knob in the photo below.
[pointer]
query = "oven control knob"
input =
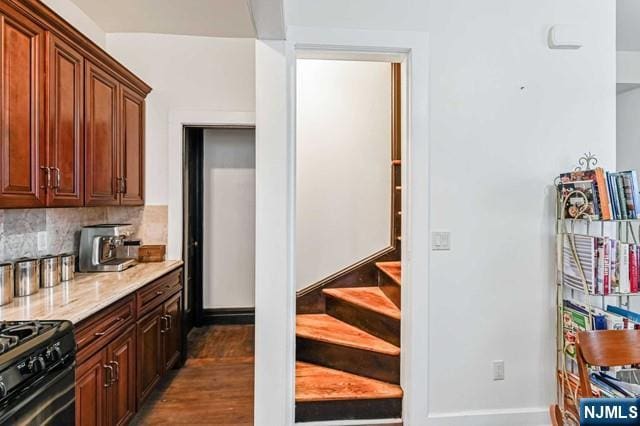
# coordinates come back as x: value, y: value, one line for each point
x: 36, y: 364
x: 54, y: 354
x: 3, y: 390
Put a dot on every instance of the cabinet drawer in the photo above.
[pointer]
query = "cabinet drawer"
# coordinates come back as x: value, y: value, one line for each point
x: 103, y: 326
x: 157, y: 292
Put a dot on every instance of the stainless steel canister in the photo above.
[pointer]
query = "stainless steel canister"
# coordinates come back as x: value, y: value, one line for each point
x: 6, y: 283
x: 68, y: 266
x: 49, y: 271
x: 27, y: 276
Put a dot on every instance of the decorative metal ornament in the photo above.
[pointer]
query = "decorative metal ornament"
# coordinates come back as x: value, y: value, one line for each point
x: 587, y: 162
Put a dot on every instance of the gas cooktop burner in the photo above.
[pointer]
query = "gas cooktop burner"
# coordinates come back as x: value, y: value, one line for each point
x: 13, y: 333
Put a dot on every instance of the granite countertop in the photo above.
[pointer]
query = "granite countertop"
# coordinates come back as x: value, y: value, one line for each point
x: 87, y: 294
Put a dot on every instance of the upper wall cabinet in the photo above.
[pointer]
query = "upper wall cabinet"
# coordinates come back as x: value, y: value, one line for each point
x: 22, y: 181
x: 65, y: 141
x: 72, y: 117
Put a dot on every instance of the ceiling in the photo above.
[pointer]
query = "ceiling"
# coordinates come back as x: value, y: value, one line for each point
x: 628, y: 25
x: 213, y: 18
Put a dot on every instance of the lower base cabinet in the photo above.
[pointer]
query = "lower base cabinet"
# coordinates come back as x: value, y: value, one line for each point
x: 116, y: 374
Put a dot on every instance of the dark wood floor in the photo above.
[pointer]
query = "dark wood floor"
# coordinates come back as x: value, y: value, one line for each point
x: 215, y: 386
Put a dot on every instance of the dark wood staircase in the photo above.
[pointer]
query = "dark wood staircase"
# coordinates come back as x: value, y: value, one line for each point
x: 349, y: 356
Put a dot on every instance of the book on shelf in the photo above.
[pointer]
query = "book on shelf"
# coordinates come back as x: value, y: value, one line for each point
x: 609, y: 266
x: 608, y: 195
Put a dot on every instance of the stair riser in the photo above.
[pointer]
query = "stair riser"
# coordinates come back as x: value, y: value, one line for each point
x: 372, y: 322
x: 357, y: 361
x: 349, y: 410
x: 391, y: 290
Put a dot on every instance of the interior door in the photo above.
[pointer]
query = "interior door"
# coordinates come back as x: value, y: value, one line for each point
x: 65, y: 144
x: 22, y: 149
x: 102, y: 183
x: 121, y: 398
x: 193, y: 188
x: 132, y: 147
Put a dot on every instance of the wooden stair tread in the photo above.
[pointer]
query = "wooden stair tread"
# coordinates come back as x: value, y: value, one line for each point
x: 317, y: 384
x: 371, y: 298
x: 325, y: 328
x: 392, y: 269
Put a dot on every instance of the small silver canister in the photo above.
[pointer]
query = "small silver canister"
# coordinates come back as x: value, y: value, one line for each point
x: 27, y: 276
x: 68, y: 266
x: 6, y: 283
x: 49, y: 271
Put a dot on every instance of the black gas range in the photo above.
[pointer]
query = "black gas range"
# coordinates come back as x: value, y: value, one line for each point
x: 37, y: 373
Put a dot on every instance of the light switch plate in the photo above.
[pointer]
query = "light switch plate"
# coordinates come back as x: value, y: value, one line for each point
x: 42, y: 241
x: 441, y: 240
x: 498, y: 369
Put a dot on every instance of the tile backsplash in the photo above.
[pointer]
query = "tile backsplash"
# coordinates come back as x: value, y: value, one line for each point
x: 19, y: 228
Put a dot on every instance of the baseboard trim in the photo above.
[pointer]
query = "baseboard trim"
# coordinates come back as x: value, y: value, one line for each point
x: 228, y: 316
x: 381, y: 422
x: 536, y: 416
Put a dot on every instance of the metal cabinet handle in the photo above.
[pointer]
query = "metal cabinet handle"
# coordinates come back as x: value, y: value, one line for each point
x: 159, y: 292
x: 170, y: 320
x: 109, y: 376
x: 47, y: 173
x: 58, y: 177
x: 117, y: 370
x: 118, y: 185
x: 100, y: 333
x: 162, y: 327
x: 124, y: 185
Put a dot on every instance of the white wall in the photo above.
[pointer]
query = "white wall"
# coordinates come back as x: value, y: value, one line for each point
x: 229, y: 218
x: 628, y: 67
x: 506, y: 116
x: 76, y: 17
x: 186, y: 73
x: 628, y: 130
x: 343, y: 165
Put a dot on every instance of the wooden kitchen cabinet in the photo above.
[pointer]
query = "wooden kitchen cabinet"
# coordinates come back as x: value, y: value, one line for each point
x: 65, y: 139
x: 131, y: 147
x: 125, y: 350
x: 149, y: 352
x: 90, y: 385
x: 22, y: 94
x: 71, y: 117
x: 171, y: 337
x: 121, y: 395
x: 102, y: 168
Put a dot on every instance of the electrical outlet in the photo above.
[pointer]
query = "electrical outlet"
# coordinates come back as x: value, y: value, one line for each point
x: 498, y: 370
x: 441, y: 240
x: 42, y: 241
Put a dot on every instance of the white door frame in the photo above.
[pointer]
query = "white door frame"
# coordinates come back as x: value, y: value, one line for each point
x: 278, y: 349
x: 178, y: 119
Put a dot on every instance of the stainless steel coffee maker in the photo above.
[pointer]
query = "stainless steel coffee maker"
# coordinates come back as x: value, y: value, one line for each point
x: 99, y: 248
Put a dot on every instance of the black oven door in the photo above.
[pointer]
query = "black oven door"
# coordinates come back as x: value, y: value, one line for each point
x: 50, y: 401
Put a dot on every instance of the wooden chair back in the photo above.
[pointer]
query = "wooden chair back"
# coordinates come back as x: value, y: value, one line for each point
x: 604, y: 348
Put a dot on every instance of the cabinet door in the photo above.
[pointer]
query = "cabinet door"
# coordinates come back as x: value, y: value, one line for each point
x: 121, y: 396
x: 65, y: 133
x: 21, y: 113
x: 172, y: 337
x: 90, y: 391
x: 132, y: 147
x: 149, y: 364
x: 101, y: 137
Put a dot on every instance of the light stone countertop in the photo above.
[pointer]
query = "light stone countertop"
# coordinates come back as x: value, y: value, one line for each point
x: 87, y: 294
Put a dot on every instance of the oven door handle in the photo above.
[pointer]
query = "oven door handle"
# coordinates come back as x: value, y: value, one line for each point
x: 109, y: 368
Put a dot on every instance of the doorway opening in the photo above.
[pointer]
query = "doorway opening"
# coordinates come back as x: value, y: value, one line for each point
x: 348, y: 244
x: 219, y: 225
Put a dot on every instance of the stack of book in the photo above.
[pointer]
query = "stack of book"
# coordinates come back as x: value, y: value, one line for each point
x: 600, y: 195
x: 609, y: 266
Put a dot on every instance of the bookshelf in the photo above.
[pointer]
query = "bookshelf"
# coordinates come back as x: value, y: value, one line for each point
x: 590, y: 281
